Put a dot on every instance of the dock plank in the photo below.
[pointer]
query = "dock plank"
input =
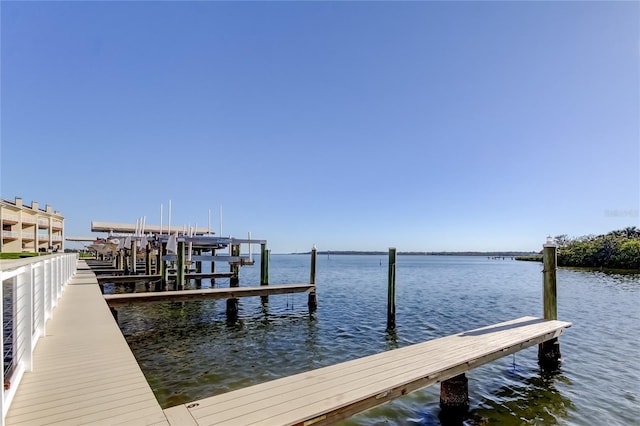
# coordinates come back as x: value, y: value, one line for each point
x: 336, y: 392
x: 211, y: 293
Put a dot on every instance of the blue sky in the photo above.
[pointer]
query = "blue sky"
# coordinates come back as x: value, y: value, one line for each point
x: 352, y: 126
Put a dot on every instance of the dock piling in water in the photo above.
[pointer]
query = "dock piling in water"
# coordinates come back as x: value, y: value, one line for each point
x: 264, y: 269
x: 234, y: 281
x: 391, y: 290
x: 147, y: 259
x: 180, y: 280
x: 134, y: 252
x: 454, y: 395
x: 313, y: 298
x: 549, y: 355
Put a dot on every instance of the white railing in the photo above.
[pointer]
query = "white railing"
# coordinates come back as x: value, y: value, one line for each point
x: 10, y: 234
x: 30, y: 290
x: 28, y: 219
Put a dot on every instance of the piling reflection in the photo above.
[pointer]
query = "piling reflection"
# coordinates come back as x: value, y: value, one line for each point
x: 391, y: 339
x: 533, y: 400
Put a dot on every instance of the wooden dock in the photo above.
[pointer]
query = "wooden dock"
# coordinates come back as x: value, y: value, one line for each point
x: 327, y: 395
x: 116, y: 279
x: 83, y: 369
x: 210, y: 293
x: 84, y: 372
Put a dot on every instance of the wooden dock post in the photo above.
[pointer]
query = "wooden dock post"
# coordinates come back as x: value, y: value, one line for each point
x: 264, y: 269
x: 234, y: 281
x: 161, y: 267
x: 213, y: 268
x: 121, y: 264
x: 454, y: 396
x: 232, y: 309
x: 198, y: 252
x: 147, y: 259
x: 134, y: 252
x: 391, y: 291
x: 313, y: 298
x: 549, y: 356
x: 180, y: 266
x: 234, y: 268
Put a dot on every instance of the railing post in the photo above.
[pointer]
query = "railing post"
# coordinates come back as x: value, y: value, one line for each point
x: 25, y: 316
x: 41, y: 284
x: 549, y: 356
x: 391, y: 291
x: 48, y: 290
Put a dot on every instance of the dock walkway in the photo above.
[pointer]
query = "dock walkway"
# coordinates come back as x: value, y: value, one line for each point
x: 327, y: 395
x: 206, y: 293
x: 83, y: 370
x: 84, y: 373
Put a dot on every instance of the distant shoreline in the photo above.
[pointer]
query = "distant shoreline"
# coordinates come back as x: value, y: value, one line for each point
x: 430, y: 253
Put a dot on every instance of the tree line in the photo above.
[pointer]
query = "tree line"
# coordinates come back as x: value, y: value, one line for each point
x: 616, y: 250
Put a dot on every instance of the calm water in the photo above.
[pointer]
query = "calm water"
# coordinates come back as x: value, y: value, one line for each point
x: 188, y: 351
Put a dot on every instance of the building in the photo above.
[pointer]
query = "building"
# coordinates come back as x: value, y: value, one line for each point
x: 29, y: 228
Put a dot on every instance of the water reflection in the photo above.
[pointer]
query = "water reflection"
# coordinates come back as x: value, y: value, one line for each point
x: 188, y: 351
x: 525, y: 400
x: 392, y: 340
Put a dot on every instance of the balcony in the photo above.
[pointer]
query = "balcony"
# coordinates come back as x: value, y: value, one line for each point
x: 43, y: 223
x: 27, y: 219
x: 56, y: 225
x: 10, y: 218
x: 27, y: 236
x: 10, y: 235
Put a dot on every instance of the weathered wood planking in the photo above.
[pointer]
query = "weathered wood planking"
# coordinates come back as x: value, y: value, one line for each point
x: 327, y: 395
x: 83, y: 370
x: 213, y: 293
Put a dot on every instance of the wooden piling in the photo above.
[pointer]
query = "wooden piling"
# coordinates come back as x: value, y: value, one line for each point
x: 234, y: 281
x: 134, y: 252
x: 121, y: 264
x: 232, y: 309
x: 180, y: 268
x: 549, y: 356
x: 454, y: 395
x: 213, y: 268
x: 147, y: 259
x: 313, y: 299
x: 234, y: 267
x: 264, y: 269
x: 391, y: 290
x: 160, y: 265
x: 198, y: 263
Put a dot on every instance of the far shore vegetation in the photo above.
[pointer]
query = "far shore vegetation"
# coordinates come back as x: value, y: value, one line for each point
x: 618, y: 250
x: 430, y: 253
